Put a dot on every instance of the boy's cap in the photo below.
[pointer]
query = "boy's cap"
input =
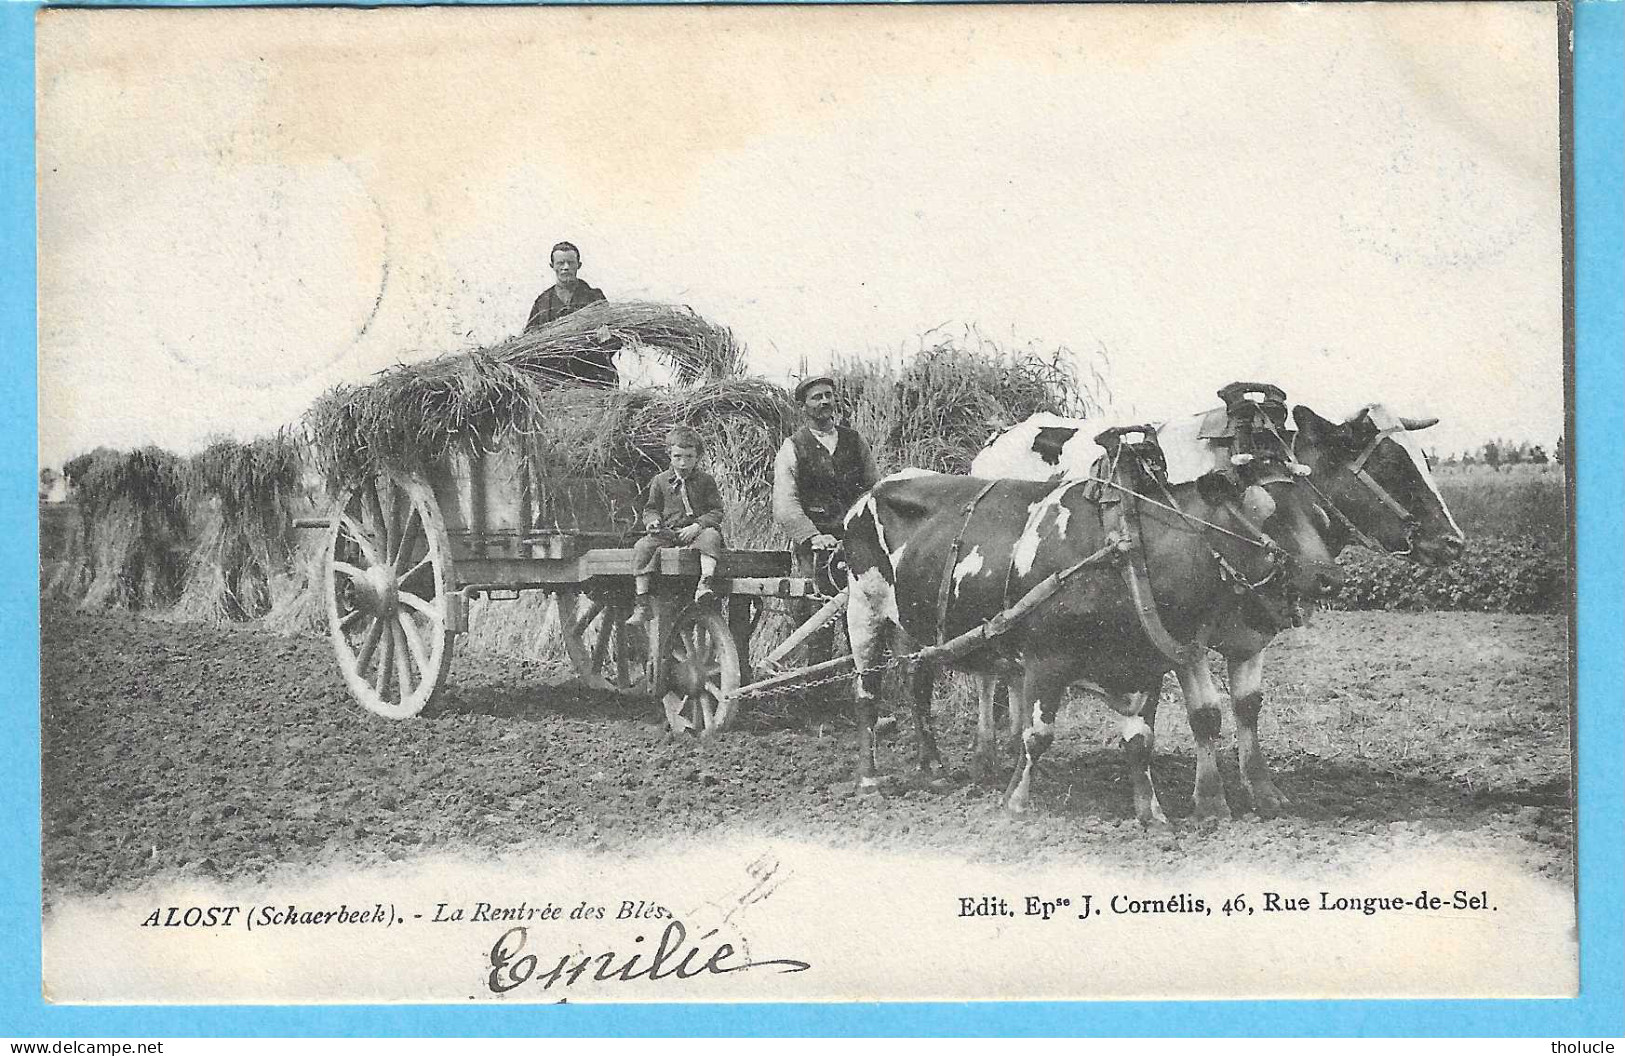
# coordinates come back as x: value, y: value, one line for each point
x: 807, y: 383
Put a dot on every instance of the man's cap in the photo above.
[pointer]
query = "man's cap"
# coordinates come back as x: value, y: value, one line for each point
x: 808, y: 382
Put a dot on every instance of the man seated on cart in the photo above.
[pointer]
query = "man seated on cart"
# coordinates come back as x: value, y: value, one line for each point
x: 820, y: 471
x: 684, y: 508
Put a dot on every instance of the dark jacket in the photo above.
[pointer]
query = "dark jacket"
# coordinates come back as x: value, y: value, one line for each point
x: 666, y: 500
x: 548, y: 307
x: 589, y: 366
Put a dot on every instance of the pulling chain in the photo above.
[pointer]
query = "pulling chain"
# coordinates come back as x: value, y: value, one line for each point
x: 797, y: 688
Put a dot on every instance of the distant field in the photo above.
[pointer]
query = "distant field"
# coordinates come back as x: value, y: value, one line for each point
x: 1515, y: 501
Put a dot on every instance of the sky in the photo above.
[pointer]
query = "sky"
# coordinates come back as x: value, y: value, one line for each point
x: 239, y: 209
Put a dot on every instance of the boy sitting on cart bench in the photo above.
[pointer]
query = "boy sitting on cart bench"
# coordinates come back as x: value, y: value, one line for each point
x: 684, y: 509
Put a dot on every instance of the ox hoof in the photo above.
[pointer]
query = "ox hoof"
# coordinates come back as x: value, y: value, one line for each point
x: 1268, y: 802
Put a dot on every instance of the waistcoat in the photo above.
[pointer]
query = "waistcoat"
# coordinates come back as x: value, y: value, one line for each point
x: 828, y: 484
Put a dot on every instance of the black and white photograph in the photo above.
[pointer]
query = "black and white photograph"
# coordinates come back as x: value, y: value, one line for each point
x: 760, y: 503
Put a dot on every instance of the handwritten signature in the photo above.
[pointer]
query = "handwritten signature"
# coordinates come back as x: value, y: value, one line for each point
x: 674, y: 955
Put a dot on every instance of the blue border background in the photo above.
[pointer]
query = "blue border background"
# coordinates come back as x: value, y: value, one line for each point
x: 1599, y: 459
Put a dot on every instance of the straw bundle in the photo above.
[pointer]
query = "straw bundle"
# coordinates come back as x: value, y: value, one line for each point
x: 244, y: 495
x: 934, y: 409
x: 296, y: 591
x: 132, y: 544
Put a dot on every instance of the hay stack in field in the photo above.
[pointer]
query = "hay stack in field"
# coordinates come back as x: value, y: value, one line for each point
x: 413, y: 415
x: 132, y: 542
x: 935, y: 408
x: 243, y: 496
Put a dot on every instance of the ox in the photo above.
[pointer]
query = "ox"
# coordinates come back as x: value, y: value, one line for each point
x: 933, y: 557
x: 1374, y: 483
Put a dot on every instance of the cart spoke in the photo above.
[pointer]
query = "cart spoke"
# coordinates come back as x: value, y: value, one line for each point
x: 351, y: 618
x: 389, y: 502
x: 428, y: 609
x: 422, y: 566
x: 601, y: 645
x: 401, y: 549
x: 359, y: 535
x: 373, y: 506
x: 403, y: 673
x: 368, y: 645
x: 414, y: 642
x: 594, y: 607
x: 380, y: 677
x: 714, y: 690
x: 344, y: 568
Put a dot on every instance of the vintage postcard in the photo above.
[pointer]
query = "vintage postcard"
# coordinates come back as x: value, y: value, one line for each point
x: 814, y: 504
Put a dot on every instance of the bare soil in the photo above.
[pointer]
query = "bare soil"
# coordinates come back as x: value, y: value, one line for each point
x: 175, y: 749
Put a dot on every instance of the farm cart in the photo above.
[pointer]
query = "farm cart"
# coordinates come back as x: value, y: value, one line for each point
x: 406, y: 552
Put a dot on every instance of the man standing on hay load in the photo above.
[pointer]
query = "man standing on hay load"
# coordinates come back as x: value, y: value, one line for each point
x: 567, y: 294
x: 819, y: 473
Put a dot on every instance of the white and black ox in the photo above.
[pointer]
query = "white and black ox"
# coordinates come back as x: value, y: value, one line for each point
x: 934, y: 556
x: 1371, y: 480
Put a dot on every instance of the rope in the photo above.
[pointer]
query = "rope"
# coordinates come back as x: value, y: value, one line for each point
x: 1262, y: 544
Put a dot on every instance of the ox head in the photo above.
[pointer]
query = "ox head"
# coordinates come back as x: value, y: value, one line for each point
x: 1281, y: 506
x: 1275, y: 537
x: 1373, y: 472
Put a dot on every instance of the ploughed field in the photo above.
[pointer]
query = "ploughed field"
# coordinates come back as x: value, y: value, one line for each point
x: 232, y: 753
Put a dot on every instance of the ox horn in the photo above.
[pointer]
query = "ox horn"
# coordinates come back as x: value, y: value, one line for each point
x: 1412, y: 424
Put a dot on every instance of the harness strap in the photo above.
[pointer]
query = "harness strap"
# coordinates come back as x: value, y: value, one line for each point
x: 1137, y: 577
x: 1357, y: 467
x: 1138, y: 580
x: 1382, y: 495
x: 1240, y: 515
x: 1264, y: 544
x: 945, y: 588
x: 1343, y: 522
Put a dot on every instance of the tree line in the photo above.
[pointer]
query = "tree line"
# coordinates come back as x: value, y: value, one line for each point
x: 1497, y: 453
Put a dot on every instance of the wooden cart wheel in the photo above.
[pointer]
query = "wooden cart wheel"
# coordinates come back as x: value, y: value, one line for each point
x: 388, y: 582
x: 702, y: 672
x: 606, y: 654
